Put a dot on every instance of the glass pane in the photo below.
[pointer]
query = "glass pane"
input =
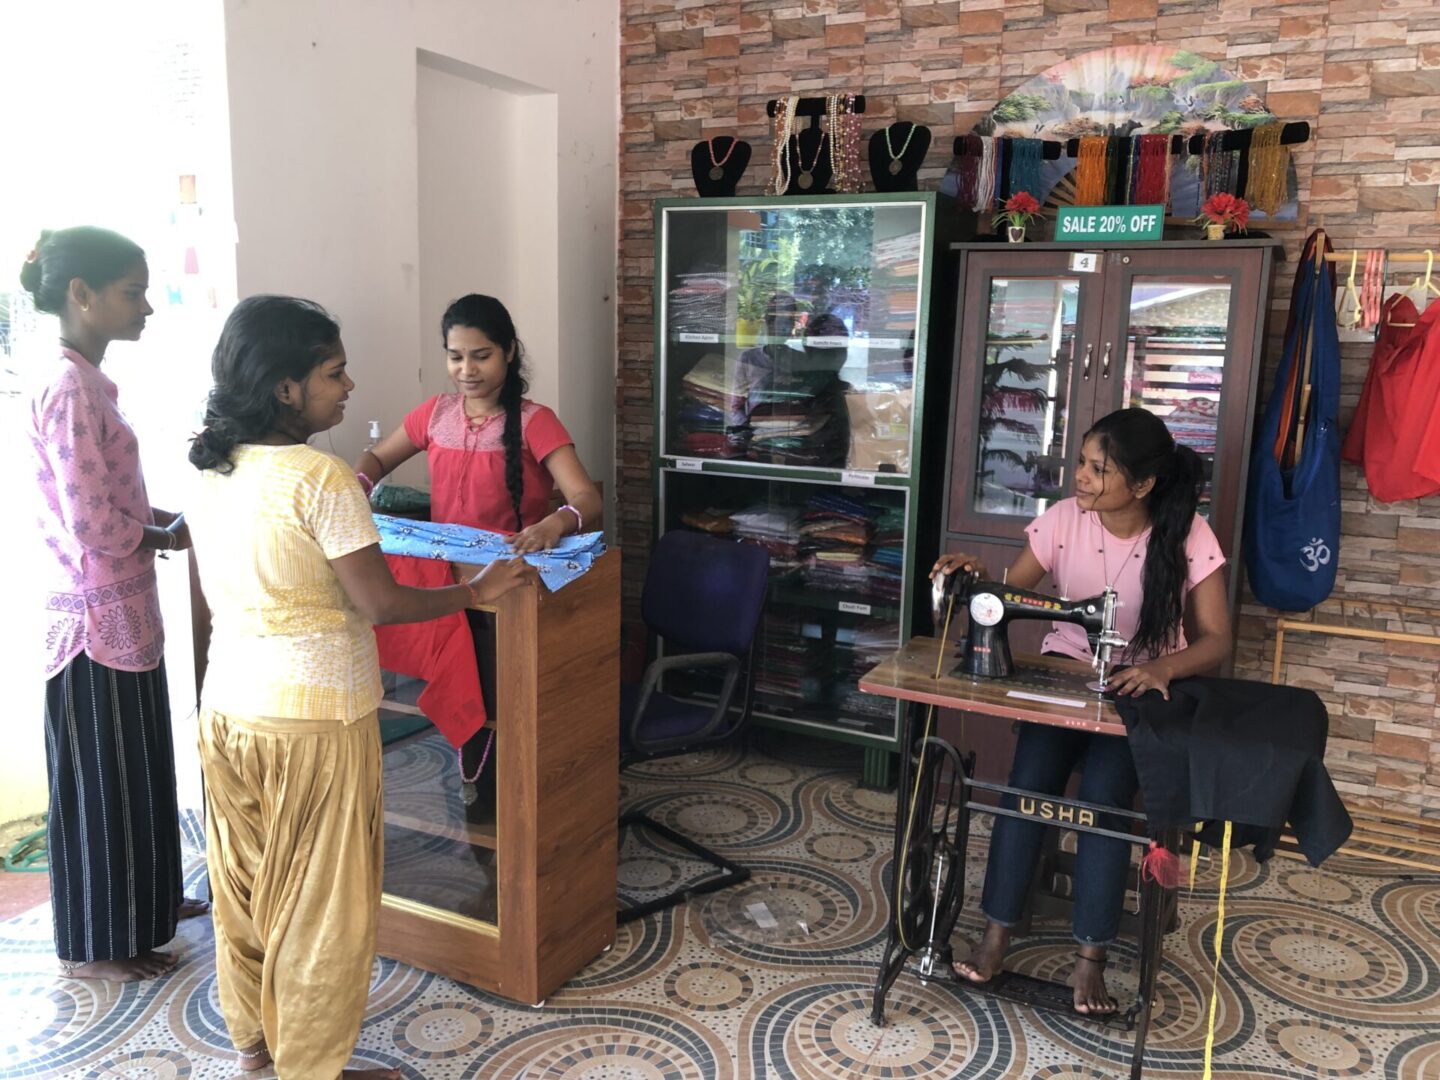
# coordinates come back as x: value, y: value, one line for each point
x: 439, y: 832
x: 1176, y: 358
x: 836, y: 579
x: 1021, y: 453
x: 789, y: 334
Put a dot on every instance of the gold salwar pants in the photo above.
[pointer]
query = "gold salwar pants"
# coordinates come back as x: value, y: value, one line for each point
x: 295, y: 846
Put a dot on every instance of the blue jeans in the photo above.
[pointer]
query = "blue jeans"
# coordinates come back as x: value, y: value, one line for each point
x: 1044, y: 758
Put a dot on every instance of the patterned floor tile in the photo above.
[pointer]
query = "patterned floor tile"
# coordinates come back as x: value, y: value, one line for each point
x: 1327, y: 973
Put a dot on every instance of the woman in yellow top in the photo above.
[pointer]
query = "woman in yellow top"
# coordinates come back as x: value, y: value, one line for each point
x: 293, y: 576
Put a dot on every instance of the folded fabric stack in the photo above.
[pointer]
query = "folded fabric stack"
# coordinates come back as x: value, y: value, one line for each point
x: 799, y: 418
x: 777, y: 530
x: 887, y: 556
x: 791, y: 668
x: 1195, y: 422
x: 856, y: 651
x: 834, y: 538
x: 697, y: 304
x: 712, y: 406
x: 710, y: 520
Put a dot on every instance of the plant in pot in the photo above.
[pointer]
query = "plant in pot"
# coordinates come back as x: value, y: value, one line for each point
x: 755, y: 284
x: 1222, y: 213
x: 1019, y: 210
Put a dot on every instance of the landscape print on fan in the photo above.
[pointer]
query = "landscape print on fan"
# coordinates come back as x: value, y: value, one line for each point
x: 1132, y: 90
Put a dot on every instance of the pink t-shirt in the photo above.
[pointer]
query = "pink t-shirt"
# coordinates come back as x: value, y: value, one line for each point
x: 100, y: 594
x: 467, y: 462
x: 1083, y: 556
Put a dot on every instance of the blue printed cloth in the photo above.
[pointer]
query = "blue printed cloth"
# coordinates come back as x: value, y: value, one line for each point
x: 559, y: 566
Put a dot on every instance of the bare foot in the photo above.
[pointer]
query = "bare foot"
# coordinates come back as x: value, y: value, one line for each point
x: 191, y: 908
x: 372, y: 1074
x: 1091, y: 997
x: 148, y: 965
x: 988, y: 957
x: 254, y: 1058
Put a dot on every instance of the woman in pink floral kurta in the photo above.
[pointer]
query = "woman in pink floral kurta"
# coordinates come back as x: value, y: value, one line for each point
x: 114, y: 835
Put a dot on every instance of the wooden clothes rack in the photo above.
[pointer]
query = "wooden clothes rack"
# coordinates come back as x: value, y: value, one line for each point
x: 1393, y: 837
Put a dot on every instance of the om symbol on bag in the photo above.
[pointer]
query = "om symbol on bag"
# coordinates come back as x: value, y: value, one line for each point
x: 1315, y: 554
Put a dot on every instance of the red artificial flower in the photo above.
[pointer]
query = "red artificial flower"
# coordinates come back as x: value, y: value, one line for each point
x: 1022, y: 202
x: 1227, y: 210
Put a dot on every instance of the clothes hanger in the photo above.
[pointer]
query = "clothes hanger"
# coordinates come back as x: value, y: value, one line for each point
x: 1430, y: 265
x: 1357, y: 314
x: 1426, y: 283
x: 1372, y: 291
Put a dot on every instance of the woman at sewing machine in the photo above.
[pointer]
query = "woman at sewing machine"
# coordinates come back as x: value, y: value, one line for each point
x: 1131, y: 526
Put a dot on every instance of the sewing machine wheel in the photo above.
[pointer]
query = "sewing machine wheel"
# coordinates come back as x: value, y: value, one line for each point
x: 930, y: 860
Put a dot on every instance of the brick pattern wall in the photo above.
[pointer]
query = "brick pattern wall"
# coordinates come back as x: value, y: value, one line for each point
x: 1364, y: 73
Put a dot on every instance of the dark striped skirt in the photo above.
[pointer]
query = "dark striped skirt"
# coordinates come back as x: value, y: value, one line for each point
x: 114, y: 827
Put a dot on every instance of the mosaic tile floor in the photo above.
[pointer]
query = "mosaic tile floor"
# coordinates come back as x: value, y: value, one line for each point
x: 1328, y: 974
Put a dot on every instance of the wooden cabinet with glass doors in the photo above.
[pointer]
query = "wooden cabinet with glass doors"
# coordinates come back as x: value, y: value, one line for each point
x: 1046, y: 346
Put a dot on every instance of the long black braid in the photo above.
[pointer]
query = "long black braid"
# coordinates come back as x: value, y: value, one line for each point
x: 488, y: 315
x: 1141, y: 445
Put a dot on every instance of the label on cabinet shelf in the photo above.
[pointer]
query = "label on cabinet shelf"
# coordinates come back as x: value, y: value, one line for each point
x: 1084, y: 262
x: 689, y: 464
x: 854, y: 609
x: 856, y: 477
x: 707, y: 339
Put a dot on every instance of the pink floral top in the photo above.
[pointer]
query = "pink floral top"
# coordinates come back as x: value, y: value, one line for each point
x: 100, y: 591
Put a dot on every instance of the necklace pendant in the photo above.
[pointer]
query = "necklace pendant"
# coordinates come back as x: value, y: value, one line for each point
x: 717, y: 173
x: 468, y: 793
x: 895, y: 166
x: 804, y: 181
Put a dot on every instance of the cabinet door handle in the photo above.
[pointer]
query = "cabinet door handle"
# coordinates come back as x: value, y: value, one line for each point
x: 1105, y: 362
x: 1085, y: 371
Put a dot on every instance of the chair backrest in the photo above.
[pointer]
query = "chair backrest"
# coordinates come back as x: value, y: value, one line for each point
x: 704, y: 594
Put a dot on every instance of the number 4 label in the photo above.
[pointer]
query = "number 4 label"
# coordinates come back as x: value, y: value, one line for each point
x: 1084, y: 262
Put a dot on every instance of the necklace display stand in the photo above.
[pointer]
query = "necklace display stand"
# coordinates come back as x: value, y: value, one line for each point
x: 722, y: 154
x: 896, y: 154
x: 808, y: 150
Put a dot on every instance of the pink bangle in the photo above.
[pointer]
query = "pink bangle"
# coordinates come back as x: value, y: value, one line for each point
x: 366, y: 484
x: 579, y: 521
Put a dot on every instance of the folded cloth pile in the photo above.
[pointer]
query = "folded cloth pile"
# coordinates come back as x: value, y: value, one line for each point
x: 777, y: 530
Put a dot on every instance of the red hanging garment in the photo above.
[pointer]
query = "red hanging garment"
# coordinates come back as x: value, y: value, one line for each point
x: 1393, y: 435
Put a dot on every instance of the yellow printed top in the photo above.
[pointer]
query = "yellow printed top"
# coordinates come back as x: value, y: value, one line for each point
x: 286, y: 640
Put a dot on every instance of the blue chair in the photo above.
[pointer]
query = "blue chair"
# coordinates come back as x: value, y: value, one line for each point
x: 702, y: 597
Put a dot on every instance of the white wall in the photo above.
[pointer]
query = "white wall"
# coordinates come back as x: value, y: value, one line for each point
x: 339, y: 116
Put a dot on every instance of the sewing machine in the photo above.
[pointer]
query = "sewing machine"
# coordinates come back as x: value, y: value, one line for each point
x: 993, y: 606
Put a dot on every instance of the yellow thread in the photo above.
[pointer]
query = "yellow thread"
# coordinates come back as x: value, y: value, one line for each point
x: 915, y: 792
x: 1219, y: 937
x: 1269, y: 166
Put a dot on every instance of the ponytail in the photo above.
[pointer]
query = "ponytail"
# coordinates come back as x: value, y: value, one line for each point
x: 1142, y: 446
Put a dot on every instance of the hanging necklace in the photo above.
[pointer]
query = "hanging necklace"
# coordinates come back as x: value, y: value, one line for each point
x: 805, y: 180
x: 895, y: 163
x: 717, y: 168
x: 1110, y: 582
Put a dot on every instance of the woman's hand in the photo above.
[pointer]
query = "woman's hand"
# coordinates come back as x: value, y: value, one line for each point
x: 948, y: 564
x: 500, y: 577
x: 542, y: 536
x: 1133, y: 681
x: 182, y: 534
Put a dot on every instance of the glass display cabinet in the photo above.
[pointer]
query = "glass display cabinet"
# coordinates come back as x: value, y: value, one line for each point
x: 794, y: 369
x: 1049, y: 342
